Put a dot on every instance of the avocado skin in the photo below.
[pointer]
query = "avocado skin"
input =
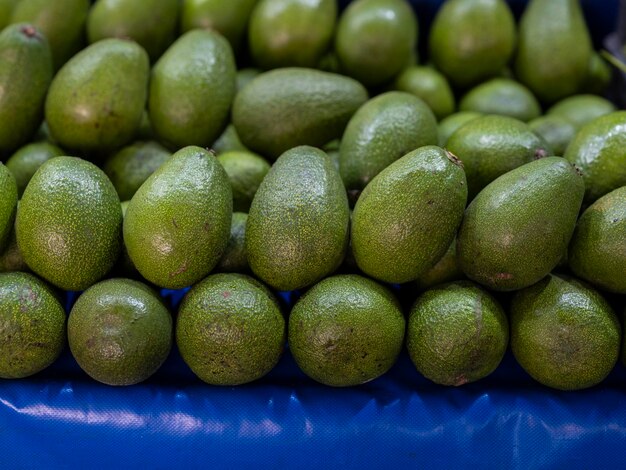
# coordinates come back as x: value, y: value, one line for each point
x: 25, y: 74
x: 554, y: 49
x: 284, y: 33
x: 177, y: 224
x: 11, y: 260
x: 69, y: 223
x: 384, y: 129
x: 445, y: 270
x: 245, y: 171
x: 8, y: 205
x: 598, y: 151
x: 491, y: 146
x: 33, y: 325
x: 408, y: 215
x: 430, y: 85
x: 96, y: 101
x: 151, y: 23
x: 26, y: 161
x: 555, y: 130
x: 582, y: 109
x: 235, y: 257
x: 298, y: 225
x: 452, y: 123
x: 564, y: 333
x: 192, y: 88
x: 285, y: 108
x: 471, y: 40
x: 597, y: 252
x: 518, y: 228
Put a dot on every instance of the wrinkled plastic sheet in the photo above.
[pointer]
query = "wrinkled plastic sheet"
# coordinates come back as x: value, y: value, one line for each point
x: 62, y: 418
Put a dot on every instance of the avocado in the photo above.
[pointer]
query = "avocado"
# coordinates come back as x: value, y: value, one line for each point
x: 96, y: 101
x: 228, y: 142
x: 491, y: 146
x: 6, y: 10
x: 518, y: 228
x: 582, y: 109
x: 33, y: 325
x: 345, y: 331
x: 384, y: 129
x: 228, y: 17
x: 471, y: 41
x: 555, y: 130
x: 230, y: 330
x: 554, y: 49
x: 431, y: 86
x: 297, y: 229
x: 235, y: 258
x: 599, y: 75
x: 504, y: 97
x: 445, y: 270
x: 69, y: 223
x: 285, y: 33
x: 26, y: 161
x: 598, y: 150
x: 597, y: 252
x: 124, y: 266
x: 452, y: 123
x: 132, y: 165
x: 192, y: 88
x: 151, y: 23
x: 119, y: 332
x: 408, y: 214
x: 285, y: 108
x: 25, y: 74
x: 178, y: 223
x: 8, y: 205
x: 375, y: 40
x: 457, y: 333
x: 245, y: 171
x: 11, y: 260
x: 564, y: 334
x: 62, y: 22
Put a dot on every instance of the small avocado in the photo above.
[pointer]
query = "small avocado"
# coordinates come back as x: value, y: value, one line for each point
x: 457, y: 333
x: 555, y: 130
x: 96, y: 101
x: 564, y: 334
x: 471, y: 40
x: 33, y: 325
x: 192, y: 88
x: 178, y: 223
x: 8, y: 205
x: 597, y: 252
x: 384, y: 129
x: 582, y: 109
x: 554, y: 49
x: 285, y: 108
x: 228, y: 17
x: 345, y: 331
x: 69, y: 223
x: 119, y: 332
x: 504, y: 97
x: 26, y: 161
x: 598, y: 151
x: 452, y: 123
x: 291, y: 33
x: 129, y: 168
x: 151, y: 23
x: 431, y: 86
x: 245, y: 171
x: 491, y: 146
x: 61, y: 21
x: 375, y: 40
x: 235, y: 258
x: 408, y: 214
x: 230, y: 330
x: 25, y: 74
x: 298, y: 225
x: 518, y: 228
x: 445, y: 270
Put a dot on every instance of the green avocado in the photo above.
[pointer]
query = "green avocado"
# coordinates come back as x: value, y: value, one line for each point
x: 11, y: 259
x: 285, y: 108
x: 518, y: 228
x: 69, y: 223
x: 407, y: 216
x: 384, y: 129
x: 599, y: 77
x: 430, y: 85
x: 26, y: 161
x: 298, y: 225
x: 235, y: 258
x: 8, y: 205
x: 177, y: 224
x: 96, y: 101
x: 452, y: 123
x: 582, y: 109
x: 245, y: 171
x: 192, y: 88
x: 555, y: 130
x: 445, y: 270
x: 504, y: 97
x: 6, y: 10
x: 25, y: 74
x: 228, y: 142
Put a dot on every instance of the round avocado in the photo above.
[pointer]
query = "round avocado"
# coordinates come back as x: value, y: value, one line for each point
x: 26, y: 161
x: 430, y: 85
x: 245, y: 171
x: 555, y: 130
x: 581, y: 109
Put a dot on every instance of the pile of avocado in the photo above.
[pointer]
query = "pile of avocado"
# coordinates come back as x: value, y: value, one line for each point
x: 245, y: 148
